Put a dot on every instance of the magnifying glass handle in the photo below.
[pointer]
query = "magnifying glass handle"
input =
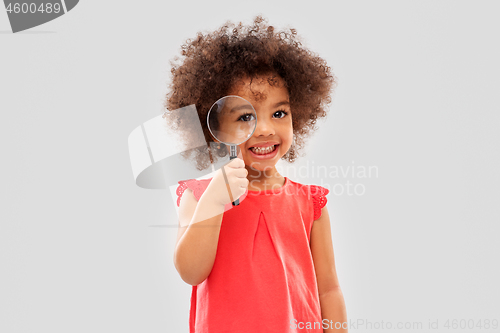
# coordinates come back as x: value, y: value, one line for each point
x: 232, y: 155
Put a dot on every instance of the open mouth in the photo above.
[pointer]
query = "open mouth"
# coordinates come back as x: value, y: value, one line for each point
x: 264, y: 151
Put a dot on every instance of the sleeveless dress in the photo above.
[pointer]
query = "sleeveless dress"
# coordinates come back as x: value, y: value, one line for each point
x: 263, y: 277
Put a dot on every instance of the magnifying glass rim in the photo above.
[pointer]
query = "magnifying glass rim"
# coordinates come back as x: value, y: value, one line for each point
x: 210, y: 110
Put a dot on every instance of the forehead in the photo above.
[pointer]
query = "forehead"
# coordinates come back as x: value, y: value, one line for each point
x: 261, y: 89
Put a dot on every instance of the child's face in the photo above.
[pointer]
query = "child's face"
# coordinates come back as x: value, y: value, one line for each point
x: 274, y: 122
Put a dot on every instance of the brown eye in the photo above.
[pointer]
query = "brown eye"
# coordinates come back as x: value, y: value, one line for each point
x: 246, y: 117
x: 280, y: 114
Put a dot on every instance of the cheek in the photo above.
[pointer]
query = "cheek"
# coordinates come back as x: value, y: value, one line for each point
x: 244, y: 151
x: 288, y: 135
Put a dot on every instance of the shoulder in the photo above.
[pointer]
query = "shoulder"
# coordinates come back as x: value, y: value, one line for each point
x: 196, y: 186
x: 315, y: 194
x: 318, y: 196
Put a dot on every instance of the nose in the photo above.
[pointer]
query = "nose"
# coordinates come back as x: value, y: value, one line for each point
x: 265, y: 127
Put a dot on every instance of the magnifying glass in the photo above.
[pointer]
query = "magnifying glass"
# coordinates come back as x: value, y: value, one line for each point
x: 232, y: 120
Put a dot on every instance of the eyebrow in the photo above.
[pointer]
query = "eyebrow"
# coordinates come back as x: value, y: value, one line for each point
x: 246, y: 106
x: 281, y: 103
x: 241, y: 107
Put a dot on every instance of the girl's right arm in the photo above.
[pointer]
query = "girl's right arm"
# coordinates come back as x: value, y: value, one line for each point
x: 200, y: 222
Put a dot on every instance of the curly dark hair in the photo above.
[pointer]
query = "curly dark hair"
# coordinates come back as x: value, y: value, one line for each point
x: 212, y: 63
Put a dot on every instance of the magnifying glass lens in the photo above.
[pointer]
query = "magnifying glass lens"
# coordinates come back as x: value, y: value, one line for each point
x: 232, y: 120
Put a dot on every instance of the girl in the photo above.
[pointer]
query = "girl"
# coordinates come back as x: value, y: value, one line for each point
x: 266, y: 265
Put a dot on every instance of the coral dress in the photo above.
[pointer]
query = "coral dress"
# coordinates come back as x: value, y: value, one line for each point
x: 263, y: 277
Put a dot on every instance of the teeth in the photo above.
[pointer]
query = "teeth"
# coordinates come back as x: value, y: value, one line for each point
x: 262, y: 150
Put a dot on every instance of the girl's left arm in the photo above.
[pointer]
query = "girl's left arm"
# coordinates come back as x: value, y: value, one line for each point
x: 330, y: 295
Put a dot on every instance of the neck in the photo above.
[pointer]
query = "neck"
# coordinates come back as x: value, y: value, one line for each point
x: 264, y: 180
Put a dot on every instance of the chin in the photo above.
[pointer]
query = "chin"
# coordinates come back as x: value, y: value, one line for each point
x: 262, y: 166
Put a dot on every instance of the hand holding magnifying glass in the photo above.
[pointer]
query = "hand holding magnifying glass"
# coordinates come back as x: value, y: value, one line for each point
x: 232, y: 120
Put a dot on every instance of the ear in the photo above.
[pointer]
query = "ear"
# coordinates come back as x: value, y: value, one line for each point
x: 215, y: 144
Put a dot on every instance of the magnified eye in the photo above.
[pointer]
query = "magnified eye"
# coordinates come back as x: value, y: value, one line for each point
x: 280, y: 114
x: 246, y: 117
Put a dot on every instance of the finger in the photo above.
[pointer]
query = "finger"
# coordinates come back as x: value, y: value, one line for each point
x: 241, y: 173
x: 244, y: 183
x: 235, y: 163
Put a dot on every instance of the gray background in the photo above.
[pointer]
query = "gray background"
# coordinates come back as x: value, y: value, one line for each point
x: 417, y: 98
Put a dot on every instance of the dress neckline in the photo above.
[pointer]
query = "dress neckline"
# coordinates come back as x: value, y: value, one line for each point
x: 272, y: 190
